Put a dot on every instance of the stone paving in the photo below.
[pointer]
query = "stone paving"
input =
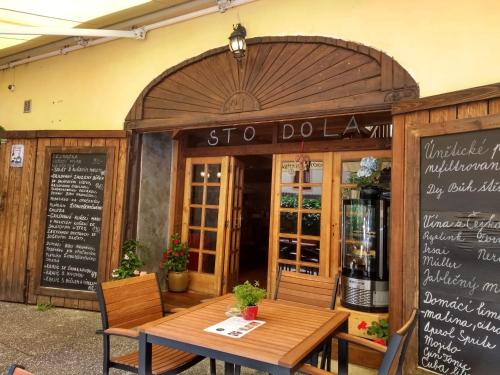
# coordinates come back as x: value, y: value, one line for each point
x: 63, y: 341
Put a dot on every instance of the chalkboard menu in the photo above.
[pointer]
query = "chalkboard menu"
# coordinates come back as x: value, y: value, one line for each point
x: 459, y: 327
x: 73, y: 225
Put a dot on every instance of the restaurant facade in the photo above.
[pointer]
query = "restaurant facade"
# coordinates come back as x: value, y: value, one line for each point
x: 253, y: 160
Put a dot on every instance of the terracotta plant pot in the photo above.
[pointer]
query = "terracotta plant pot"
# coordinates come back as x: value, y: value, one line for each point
x: 249, y: 312
x: 178, y: 281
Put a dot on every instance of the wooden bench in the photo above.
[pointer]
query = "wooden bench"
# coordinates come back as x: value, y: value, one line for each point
x: 125, y: 305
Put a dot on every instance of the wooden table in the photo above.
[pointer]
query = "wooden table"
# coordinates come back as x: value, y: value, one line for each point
x: 280, y: 346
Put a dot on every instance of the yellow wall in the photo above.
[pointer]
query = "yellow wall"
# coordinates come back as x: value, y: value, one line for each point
x: 446, y: 45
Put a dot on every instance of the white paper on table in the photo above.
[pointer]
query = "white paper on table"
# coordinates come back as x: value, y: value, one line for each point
x: 234, y: 327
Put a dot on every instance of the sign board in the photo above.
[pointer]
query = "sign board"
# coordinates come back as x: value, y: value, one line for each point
x: 459, y: 265
x: 74, y: 219
x: 17, y: 156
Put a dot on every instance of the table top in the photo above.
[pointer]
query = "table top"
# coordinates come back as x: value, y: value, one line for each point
x: 290, y: 332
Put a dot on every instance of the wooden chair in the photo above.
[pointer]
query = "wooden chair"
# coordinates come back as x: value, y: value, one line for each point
x: 398, y: 343
x: 18, y: 370
x: 309, y: 290
x: 306, y: 289
x: 125, y: 305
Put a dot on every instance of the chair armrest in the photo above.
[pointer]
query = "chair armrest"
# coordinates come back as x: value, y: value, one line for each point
x: 126, y: 332
x: 311, y: 370
x: 361, y: 341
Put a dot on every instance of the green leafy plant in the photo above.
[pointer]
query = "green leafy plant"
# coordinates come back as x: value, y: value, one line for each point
x: 130, y: 263
x: 249, y: 295
x: 289, y: 200
x: 378, y: 329
x: 43, y: 306
x: 176, y: 255
x: 310, y: 221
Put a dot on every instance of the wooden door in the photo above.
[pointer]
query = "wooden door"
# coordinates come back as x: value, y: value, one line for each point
x: 16, y: 190
x: 301, y: 215
x: 203, y: 221
x: 344, y: 165
x: 233, y: 225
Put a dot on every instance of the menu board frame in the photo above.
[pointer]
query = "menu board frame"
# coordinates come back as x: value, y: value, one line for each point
x: 105, y: 220
x: 411, y: 240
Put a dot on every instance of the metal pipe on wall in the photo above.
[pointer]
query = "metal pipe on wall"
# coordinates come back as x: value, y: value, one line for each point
x: 156, y: 25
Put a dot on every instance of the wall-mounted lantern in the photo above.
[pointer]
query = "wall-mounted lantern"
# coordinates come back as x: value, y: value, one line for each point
x: 237, y: 43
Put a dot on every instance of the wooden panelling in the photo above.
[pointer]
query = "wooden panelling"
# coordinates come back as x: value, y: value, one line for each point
x: 16, y: 187
x: 432, y: 114
x: 281, y: 77
x: 494, y: 106
x: 397, y: 223
x: 353, y: 144
x: 133, y: 185
x: 112, y: 223
x: 474, y: 109
x: 450, y: 100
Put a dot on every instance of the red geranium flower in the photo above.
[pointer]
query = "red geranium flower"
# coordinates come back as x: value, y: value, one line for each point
x: 175, y: 255
x: 379, y: 341
x: 363, y: 326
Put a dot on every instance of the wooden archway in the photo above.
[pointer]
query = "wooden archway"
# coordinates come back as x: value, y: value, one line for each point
x: 280, y: 78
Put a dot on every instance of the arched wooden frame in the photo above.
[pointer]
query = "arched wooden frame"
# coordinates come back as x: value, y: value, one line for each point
x: 280, y: 78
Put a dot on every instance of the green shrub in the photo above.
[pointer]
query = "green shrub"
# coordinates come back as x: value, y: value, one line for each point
x: 43, y: 306
x: 130, y: 264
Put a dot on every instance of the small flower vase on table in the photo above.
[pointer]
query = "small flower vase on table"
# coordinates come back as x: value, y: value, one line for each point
x: 174, y: 262
x: 249, y: 312
x: 248, y: 296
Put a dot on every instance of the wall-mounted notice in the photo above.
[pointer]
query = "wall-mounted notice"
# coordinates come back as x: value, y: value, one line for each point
x: 459, y: 327
x: 17, y: 156
x: 73, y: 225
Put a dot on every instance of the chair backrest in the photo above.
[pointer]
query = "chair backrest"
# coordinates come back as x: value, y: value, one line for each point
x: 18, y: 370
x: 306, y: 289
x: 130, y: 302
x: 398, y: 343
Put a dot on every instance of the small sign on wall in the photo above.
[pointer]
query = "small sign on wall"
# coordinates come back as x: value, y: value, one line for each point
x: 17, y: 156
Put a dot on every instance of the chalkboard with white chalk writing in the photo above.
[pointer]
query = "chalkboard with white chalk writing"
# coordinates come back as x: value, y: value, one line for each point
x: 459, y: 296
x: 74, y: 218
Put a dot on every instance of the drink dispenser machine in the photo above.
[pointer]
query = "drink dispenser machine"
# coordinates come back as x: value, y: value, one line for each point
x: 365, y: 274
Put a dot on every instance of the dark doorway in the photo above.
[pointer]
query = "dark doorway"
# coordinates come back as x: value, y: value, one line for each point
x: 255, y: 219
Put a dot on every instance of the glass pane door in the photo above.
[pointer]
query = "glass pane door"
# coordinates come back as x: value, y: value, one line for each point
x: 204, y: 219
x: 233, y: 227
x: 301, y: 213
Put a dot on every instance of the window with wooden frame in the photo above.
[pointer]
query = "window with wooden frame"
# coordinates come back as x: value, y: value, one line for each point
x: 301, y: 213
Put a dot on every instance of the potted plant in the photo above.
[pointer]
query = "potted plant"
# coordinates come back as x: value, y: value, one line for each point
x: 130, y: 263
x: 175, y: 260
x: 247, y: 297
x: 379, y: 331
x: 370, y: 177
